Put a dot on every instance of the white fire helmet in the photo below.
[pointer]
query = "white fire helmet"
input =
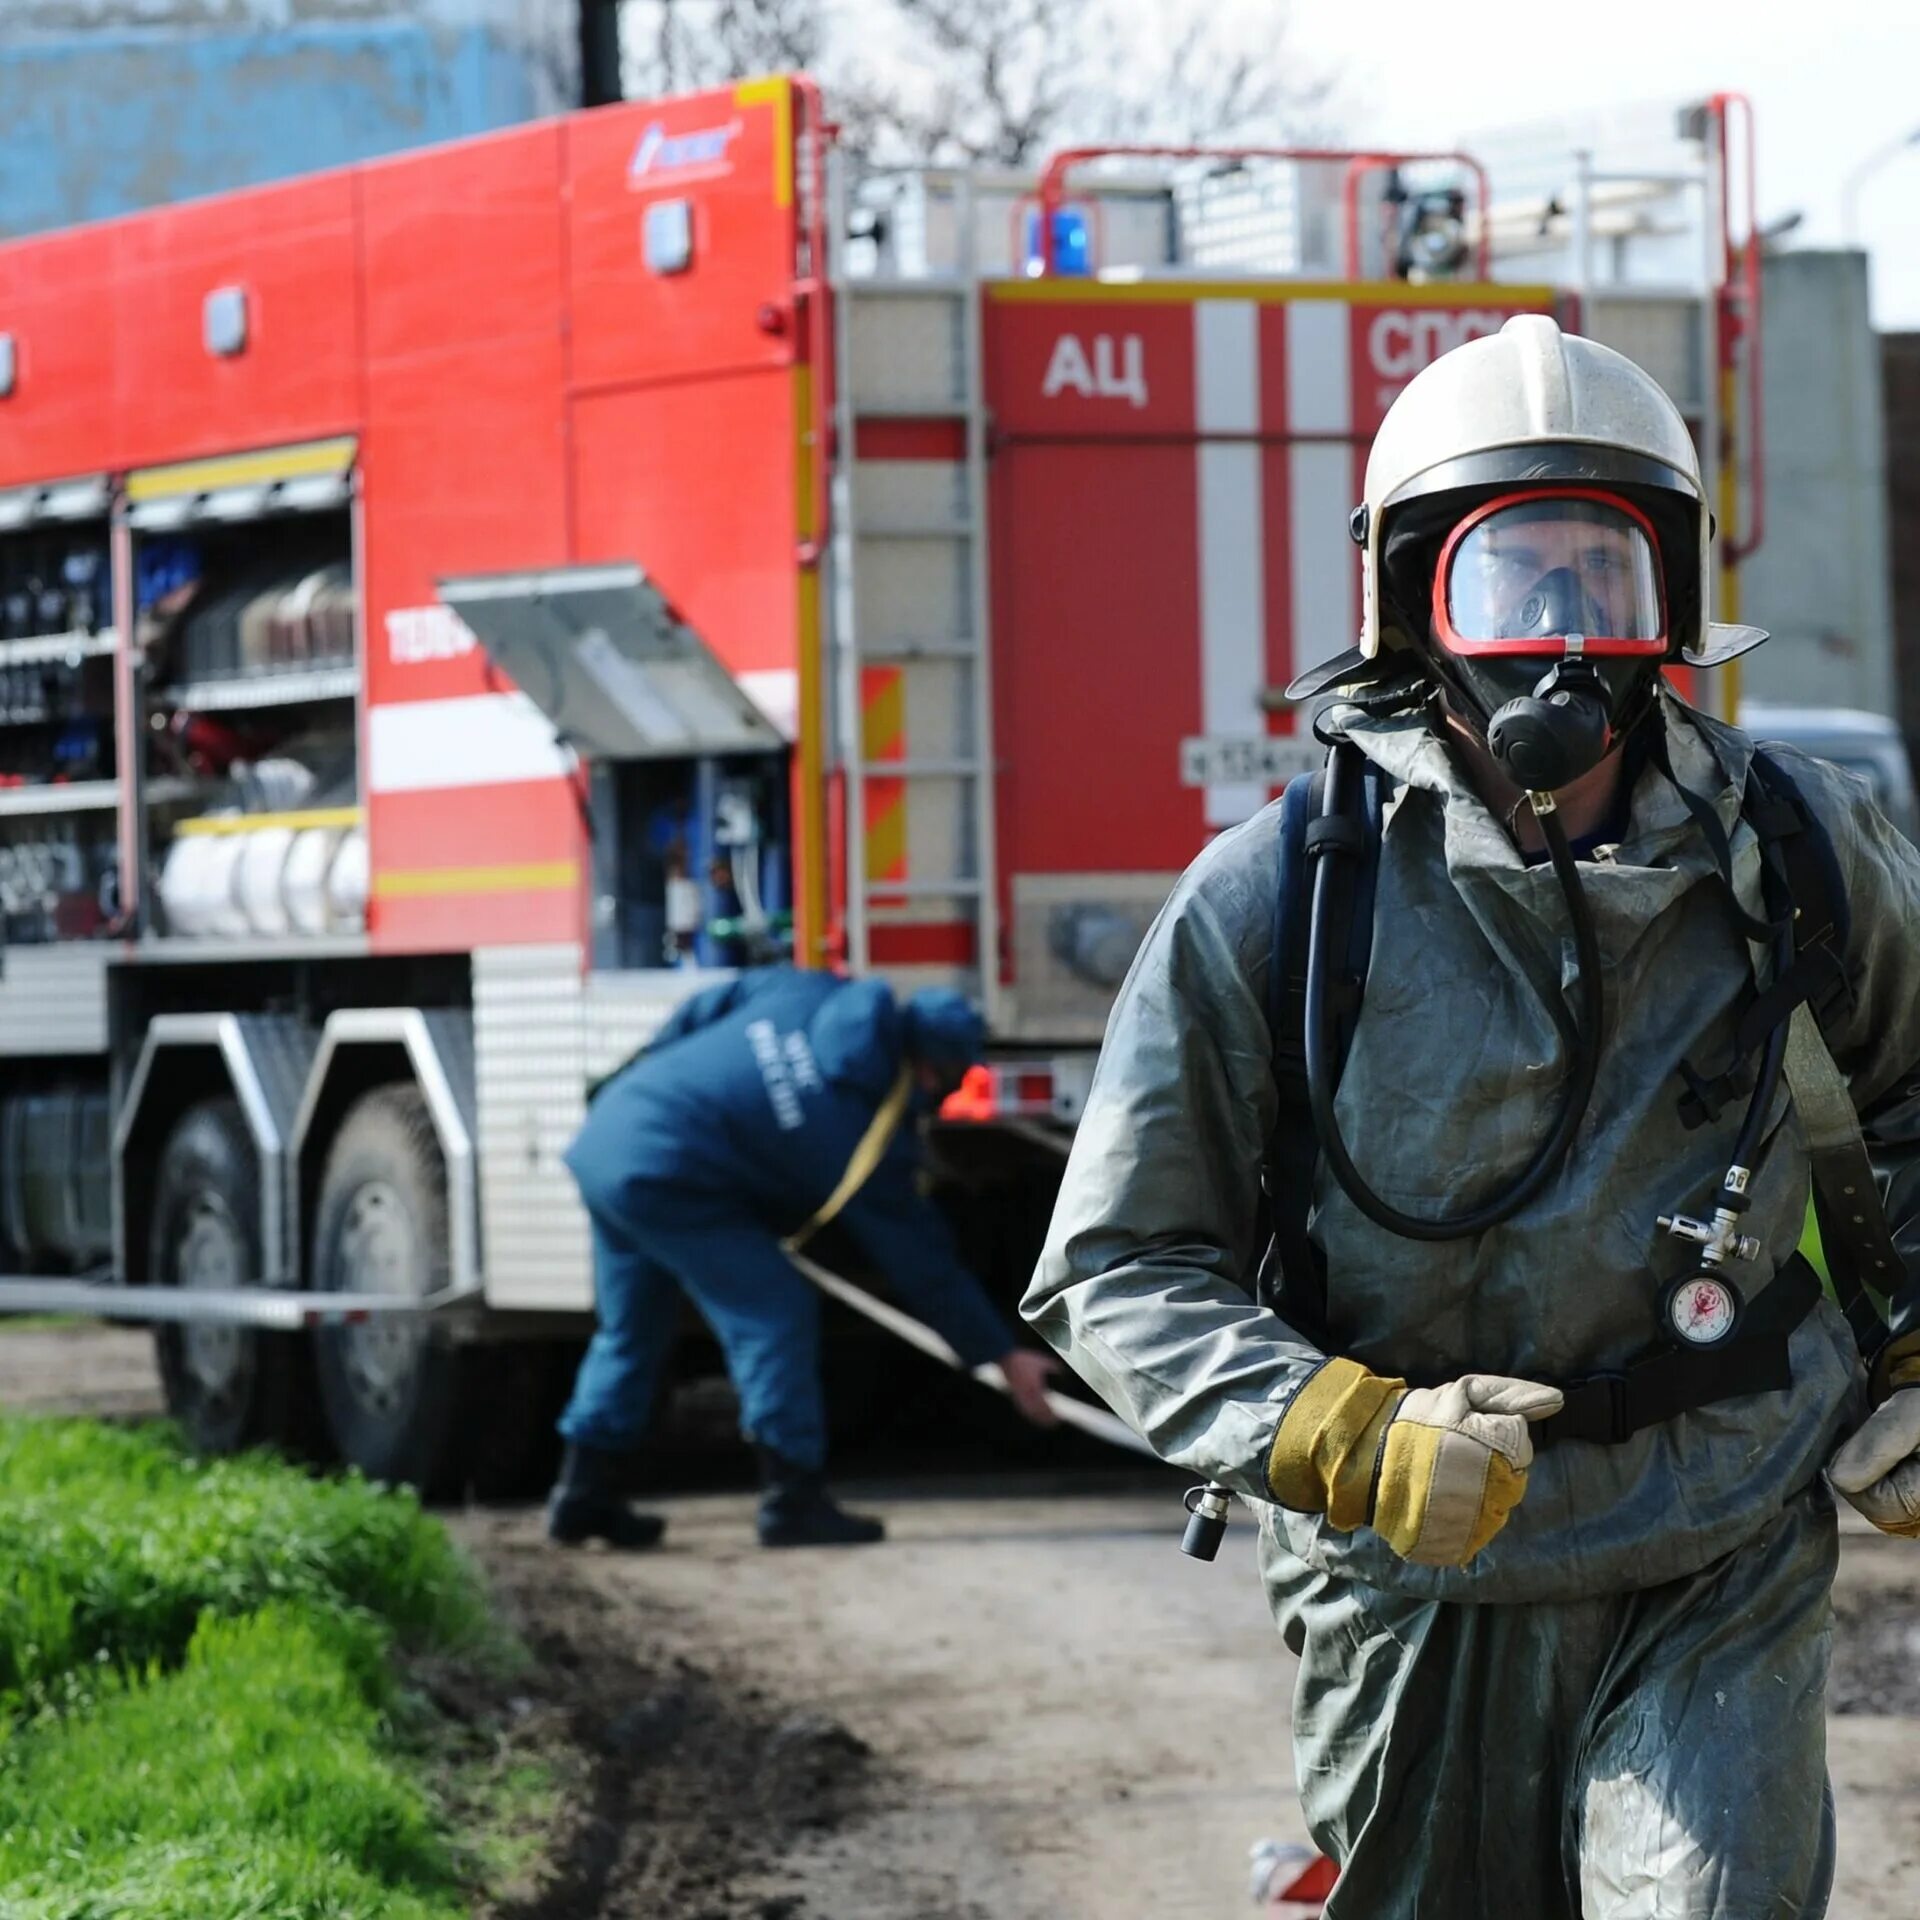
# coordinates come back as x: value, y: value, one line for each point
x: 1532, y: 411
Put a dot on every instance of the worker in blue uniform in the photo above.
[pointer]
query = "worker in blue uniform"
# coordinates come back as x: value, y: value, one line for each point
x: 765, y: 1107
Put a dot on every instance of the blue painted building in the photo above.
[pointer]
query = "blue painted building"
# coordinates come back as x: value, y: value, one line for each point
x: 111, y: 105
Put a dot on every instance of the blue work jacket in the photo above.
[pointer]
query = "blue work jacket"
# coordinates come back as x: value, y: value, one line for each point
x: 760, y: 1089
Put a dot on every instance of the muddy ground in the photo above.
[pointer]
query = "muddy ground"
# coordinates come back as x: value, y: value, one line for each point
x: 1028, y: 1705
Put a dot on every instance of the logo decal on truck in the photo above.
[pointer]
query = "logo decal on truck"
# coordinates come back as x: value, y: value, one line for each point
x: 427, y: 633
x: 1117, y: 370
x: 1399, y: 344
x: 659, y: 152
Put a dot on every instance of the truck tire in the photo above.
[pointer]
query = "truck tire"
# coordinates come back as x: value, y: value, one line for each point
x: 227, y: 1387
x: 390, y: 1385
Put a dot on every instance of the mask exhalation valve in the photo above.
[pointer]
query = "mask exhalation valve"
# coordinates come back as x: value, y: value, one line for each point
x: 1550, y: 737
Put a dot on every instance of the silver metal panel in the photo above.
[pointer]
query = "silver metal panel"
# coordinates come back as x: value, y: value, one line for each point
x: 54, y: 999
x: 542, y: 1036
x: 183, y: 952
x: 913, y: 589
x: 985, y: 788
x: 451, y: 1033
x: 625, y: 1010
x: 530, y: 1078
x: 1252, y: 217
x: 943, y: 221
x: 905, y: 350
x: 59, y: 649
x: 86, y: 498
x: 605, y: 658
x: 272, y: 1311
x: 911, y: 572
x: 1074, y: 935
x: 281, y: 1052
x: 1663, y: 335
x: 439, y: 1048
x: 266, y: 1057
x: 889, y: 494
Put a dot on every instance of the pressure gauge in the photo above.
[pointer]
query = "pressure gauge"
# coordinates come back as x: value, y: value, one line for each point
x: 1701, y: 1311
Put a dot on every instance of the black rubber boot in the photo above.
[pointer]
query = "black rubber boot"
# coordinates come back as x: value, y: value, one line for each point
x: 585, y: 1505
x: 796, y: 1511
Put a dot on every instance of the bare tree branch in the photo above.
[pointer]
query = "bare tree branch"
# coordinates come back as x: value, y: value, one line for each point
x: 997, y: 81
x: 671, y: 46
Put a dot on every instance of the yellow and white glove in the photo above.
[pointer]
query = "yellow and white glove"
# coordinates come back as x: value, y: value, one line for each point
x: 1435, y: 1471
x: 1879, y: 1468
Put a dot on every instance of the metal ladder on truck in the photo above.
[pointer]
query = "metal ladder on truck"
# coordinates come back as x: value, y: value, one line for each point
x: 910, y: 620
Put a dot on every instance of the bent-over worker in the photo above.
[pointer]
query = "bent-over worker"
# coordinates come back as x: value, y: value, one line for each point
x: 764, y: 1107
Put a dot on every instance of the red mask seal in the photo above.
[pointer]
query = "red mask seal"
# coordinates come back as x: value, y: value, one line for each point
x: 1548, y: 573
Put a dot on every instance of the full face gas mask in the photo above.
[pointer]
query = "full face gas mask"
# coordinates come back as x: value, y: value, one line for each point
x: 1548, y: 626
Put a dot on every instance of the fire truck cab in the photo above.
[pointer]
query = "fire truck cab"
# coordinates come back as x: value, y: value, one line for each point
x: 451, y: 606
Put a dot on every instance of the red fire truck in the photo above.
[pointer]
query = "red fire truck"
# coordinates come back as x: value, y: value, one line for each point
x: 449, y: 605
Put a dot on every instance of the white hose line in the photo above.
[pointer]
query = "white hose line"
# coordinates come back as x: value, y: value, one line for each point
x: 1073, y: 1413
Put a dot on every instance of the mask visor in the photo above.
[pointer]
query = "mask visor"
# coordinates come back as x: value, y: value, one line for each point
x: 1551, y: 573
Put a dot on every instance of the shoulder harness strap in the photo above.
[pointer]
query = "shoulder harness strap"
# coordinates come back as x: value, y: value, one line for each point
x: 1813, y: 994
x: 1800, y: 859
x: 1288, y: 1176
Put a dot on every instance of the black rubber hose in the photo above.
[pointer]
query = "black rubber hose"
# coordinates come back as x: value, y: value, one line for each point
x: 1342, y: 770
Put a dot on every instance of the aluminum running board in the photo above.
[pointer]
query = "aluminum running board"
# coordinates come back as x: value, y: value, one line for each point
x: 261, y: 1308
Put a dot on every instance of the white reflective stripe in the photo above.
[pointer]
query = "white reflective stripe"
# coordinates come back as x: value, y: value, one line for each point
x: 1226, y: 366
x: 1319, y: 381
x: 1232, y: 612
x: 477, y: 740
x: 1326, y: 564
x: 1226, y: 341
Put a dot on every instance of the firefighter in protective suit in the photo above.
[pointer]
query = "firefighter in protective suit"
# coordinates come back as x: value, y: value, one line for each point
x: 764, y: 1107
x: 1556, y: 1572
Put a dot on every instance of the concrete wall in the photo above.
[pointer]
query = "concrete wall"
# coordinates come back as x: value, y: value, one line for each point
x: 111, y: 105
x: 1900, y: 381
x: 1821, y: 583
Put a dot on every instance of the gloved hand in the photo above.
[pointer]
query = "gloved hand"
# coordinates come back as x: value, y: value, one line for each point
x: 1879, y: 1468
x: 1435, y: 1471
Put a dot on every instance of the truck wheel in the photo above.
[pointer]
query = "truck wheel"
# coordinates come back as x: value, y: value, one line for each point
x: 390, y: 1385
x: 228, y: 1387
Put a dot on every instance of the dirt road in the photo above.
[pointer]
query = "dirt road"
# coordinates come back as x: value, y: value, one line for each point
x: 1067, y: 1716
x: 1071, y: 1721
x: 1067, y: 1719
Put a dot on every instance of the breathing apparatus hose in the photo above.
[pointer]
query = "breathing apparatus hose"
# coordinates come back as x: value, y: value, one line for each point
x: 1582, y: 1040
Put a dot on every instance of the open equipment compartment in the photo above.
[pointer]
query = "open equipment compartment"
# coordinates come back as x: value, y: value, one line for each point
x: 684, y: 781
x: 245, y: 588
x: 58, y: 867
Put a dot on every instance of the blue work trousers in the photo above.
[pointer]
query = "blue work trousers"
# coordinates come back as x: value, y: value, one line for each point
x: 658, y: 1243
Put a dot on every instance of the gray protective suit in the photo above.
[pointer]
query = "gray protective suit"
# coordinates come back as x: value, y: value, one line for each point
x: 1636, y: 1726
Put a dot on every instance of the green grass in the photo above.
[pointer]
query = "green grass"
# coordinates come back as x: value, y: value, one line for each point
x: 251, y: 1780
x: 198, y: 1684
x: 113, y: 1543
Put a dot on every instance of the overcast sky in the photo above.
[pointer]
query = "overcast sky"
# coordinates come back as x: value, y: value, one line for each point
x: 1830, y: 83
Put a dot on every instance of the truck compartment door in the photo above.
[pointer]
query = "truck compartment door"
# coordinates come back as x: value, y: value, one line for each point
x: 605, y: 658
